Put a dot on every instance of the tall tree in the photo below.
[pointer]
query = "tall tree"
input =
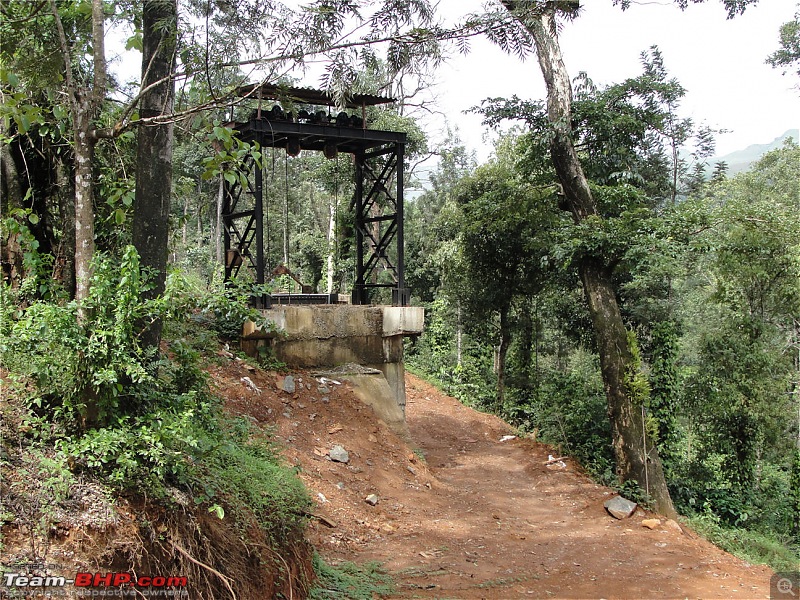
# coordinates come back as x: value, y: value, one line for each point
x: 503, y: 242
x: 154, y: 154
x: 634, y: 460
x: 85, y: 101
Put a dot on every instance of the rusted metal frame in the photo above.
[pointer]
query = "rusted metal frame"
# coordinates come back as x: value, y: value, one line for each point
x: 365, y: 145
x: 379, y: 248
x: 379, y: 244
x: 233, y: 238
x: 379, y: 182
x: 359, y: 295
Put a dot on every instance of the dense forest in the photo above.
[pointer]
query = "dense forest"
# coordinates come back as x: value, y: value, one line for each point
x: 597, y: 282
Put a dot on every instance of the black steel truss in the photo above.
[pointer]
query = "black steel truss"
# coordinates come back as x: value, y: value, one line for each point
x: 377, y: 201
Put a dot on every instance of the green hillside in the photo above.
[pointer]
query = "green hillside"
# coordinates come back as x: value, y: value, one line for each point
x: 742, y: 159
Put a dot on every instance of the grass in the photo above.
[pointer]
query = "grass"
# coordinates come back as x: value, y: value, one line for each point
x: 349, y: 581
x: 748, y: 545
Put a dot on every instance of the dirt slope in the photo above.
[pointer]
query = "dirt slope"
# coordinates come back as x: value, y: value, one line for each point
x: 478, y: 518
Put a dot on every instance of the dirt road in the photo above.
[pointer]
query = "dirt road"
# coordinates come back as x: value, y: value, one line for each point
x: 479, y: 517
x: 504, y: 525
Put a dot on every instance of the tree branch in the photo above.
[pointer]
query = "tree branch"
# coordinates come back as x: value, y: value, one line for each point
x: 65, y: 54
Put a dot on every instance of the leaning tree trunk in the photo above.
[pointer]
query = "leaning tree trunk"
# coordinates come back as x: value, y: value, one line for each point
x: 154, y: 153
x: 635, y: 460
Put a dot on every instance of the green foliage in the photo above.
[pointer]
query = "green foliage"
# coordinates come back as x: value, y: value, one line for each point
x: 84, y: 369
x: 570, y: 411
x: 636, y: 382
x: 147, y: 452
x: 434, y: 356
x: 157, y: 428
x: 349, y: 581
x: 230, y: 307
x: 234, y: 158
x: 664, y: 388
x: 788, y: 55
x: 751, y: 546
x: 246, y: 473
x: 37, y: 282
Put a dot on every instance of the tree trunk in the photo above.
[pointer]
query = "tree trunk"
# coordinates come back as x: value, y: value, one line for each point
x: 154, y: 154
x: 218, y: 221
x: 11, y: 197
x: 84, y: 104
x: 332, y: 210
x: 66, y: 212
x: 635, y: 460
x: 84, y: 204
x: 502, y: 351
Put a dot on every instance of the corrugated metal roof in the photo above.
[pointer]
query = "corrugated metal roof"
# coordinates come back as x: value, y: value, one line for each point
x: 270, y: 91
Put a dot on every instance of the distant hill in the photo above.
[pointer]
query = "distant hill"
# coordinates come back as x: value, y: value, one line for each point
x: 742, y: 159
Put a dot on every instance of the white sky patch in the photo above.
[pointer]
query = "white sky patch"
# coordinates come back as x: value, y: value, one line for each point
x: 720, y: 62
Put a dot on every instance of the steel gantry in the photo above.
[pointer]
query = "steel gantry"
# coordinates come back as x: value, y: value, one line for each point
x: 377, y: 201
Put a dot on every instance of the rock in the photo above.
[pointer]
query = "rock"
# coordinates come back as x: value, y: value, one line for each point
x: 324, y: 390
x: 339, y: 454
x: 288, y: 384
x: 372, y: 499
x: 619, y: 507
x: 325, y: 399
x: 651, y: 523
x: 340, y: 485
x: 412, y: 470
x: 322, y: 497
x: 673, y: 526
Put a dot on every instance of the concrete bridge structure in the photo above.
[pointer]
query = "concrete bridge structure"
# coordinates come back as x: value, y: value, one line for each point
x: 323, y: 337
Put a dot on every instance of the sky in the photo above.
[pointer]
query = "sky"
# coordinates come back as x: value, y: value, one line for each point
x: 720, y: 62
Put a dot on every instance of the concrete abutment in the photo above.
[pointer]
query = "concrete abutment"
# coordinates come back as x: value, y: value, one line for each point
x: 327, y: 336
